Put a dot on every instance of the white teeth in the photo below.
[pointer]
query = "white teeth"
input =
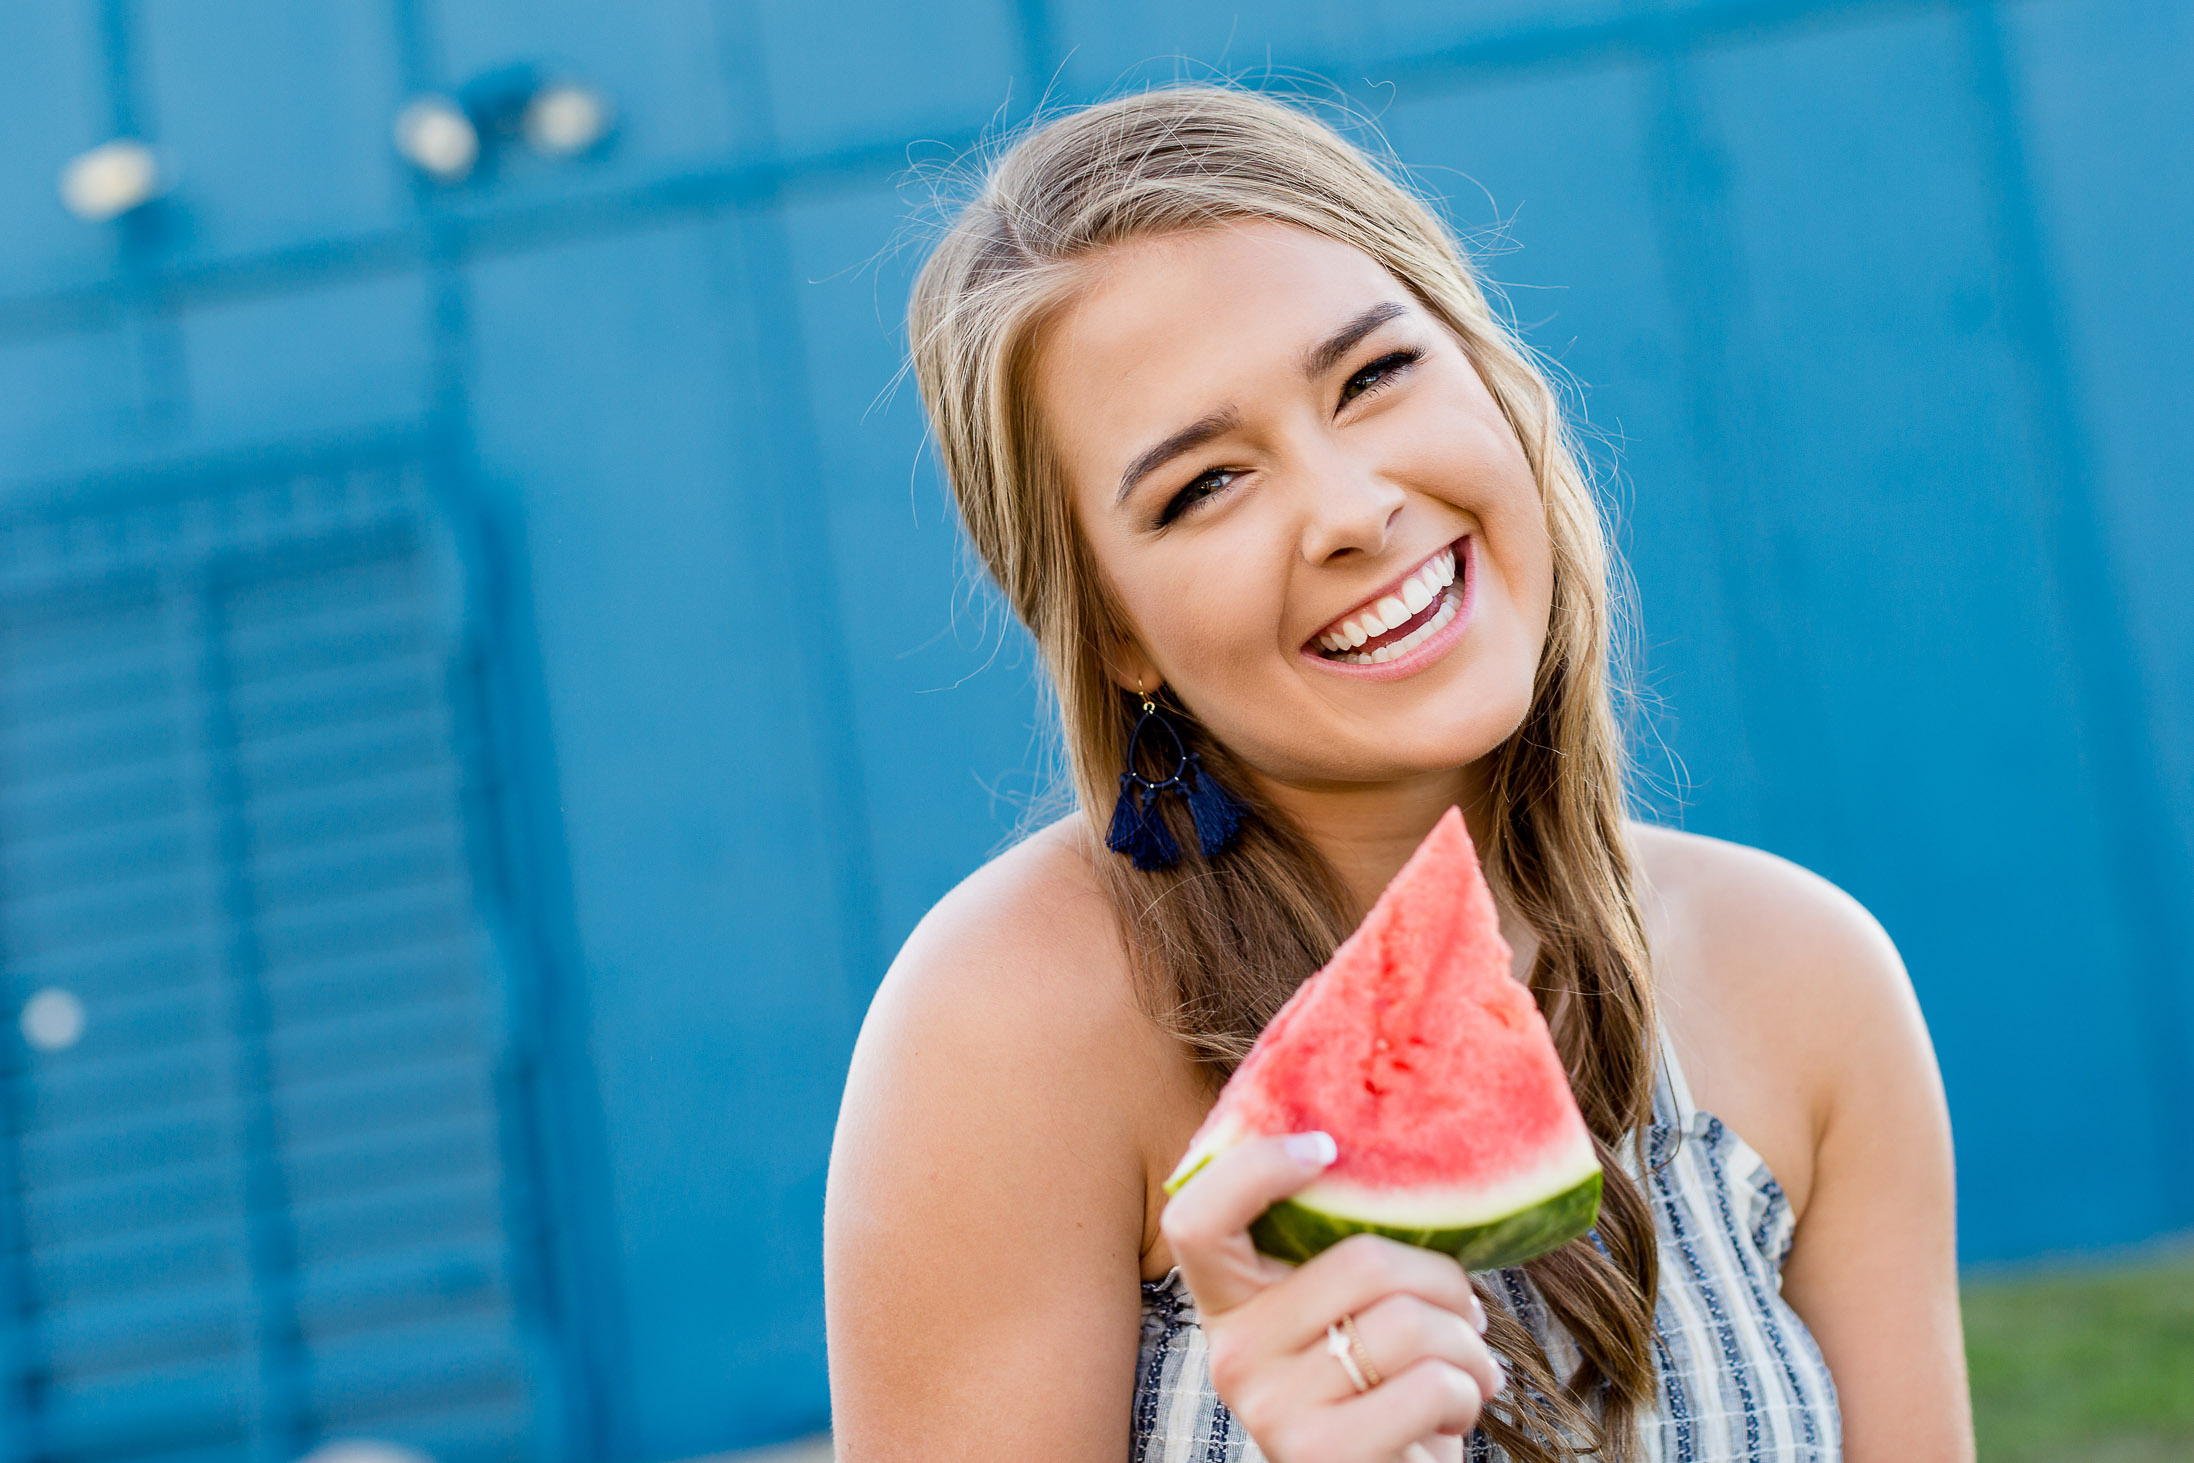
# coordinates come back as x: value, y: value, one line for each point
x: 1409, y: 642
x: 1424, y: 632
x: 1440, y: 573
x: 1393, y: 611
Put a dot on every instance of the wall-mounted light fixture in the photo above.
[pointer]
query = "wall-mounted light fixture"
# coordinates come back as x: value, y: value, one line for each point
x: 110, y: 180
x: 566, y: 118
x: 436, y: 137
x: 52, y: 1020
x: 554, y: 116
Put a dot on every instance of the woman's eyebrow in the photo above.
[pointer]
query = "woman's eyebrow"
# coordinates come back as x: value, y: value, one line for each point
x: 1323, y: 356
x: 1190, y: 437
x: 1318, y: 360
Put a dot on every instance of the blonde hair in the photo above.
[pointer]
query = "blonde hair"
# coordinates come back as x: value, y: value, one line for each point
x: 1219, y: 944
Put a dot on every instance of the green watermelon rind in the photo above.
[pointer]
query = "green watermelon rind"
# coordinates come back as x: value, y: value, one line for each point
x: 1295, y: 1232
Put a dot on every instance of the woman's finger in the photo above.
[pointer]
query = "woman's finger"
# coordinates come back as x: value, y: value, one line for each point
x: 1207, y: 1222
x: 1402, y: 1330
x: 1427, y: 1398
x: 1391, y: 1336
x: 1352, y: 1276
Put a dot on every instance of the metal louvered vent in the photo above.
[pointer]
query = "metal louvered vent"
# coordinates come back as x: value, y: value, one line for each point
x: 260, y: 1187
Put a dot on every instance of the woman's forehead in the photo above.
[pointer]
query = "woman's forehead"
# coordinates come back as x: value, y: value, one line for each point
x: 1171, y: 293
x: 1179, y: 325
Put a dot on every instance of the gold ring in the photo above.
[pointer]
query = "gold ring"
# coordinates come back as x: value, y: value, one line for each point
x: 1356, y: 1348
x: 1340, y: 1345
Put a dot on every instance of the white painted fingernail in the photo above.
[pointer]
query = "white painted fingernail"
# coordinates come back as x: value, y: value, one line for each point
x: 1312, y: 1150
x: 1478, y: 1315
x: 1500, y: 1377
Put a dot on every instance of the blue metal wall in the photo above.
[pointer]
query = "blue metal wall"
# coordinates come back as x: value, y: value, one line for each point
x: 1881, y: 306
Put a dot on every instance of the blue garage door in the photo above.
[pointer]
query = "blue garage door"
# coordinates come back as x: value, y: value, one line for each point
x: 264, y: 1165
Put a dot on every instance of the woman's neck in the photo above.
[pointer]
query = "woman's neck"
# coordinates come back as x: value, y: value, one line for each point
x: 1368, y: 831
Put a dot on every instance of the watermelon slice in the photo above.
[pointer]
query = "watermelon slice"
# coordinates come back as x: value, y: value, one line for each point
x: 1433, y: 1070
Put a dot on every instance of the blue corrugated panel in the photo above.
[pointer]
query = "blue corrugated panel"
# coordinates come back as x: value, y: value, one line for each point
x: 263, y: 1198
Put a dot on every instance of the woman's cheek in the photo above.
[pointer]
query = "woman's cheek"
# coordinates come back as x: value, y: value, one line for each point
x: 1520, y: 551
x: 1203, y: 621
x: 1219, y: 648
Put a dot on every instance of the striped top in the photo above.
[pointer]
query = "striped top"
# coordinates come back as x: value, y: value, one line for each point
x: 1740, y: 1376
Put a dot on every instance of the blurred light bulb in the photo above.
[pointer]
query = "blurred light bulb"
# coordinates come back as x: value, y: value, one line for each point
x: 53, y: 1020
x: 110, y: 180
x: 436, y: 137
x: 363, y: 1450
x: 564, y: 119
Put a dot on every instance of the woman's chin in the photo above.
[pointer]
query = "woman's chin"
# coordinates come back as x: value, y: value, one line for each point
x: 1347, y: 759
x: 1352, y: 731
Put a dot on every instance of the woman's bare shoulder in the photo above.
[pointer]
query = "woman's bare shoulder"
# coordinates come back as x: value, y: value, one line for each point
x: 1014, y: 993
x: 1745, y: 910
x: 1782, y: 992
x: 1029, y: 939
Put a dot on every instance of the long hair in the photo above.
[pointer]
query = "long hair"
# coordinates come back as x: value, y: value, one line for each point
x: 1217, y: 945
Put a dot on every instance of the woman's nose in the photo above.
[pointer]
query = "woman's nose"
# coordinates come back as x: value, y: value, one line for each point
x: 1347, y: 508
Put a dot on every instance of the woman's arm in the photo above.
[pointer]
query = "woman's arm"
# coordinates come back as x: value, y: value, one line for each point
x: 986, y: 1203
x: 1873, y: 1269
x: 1804, y: 1035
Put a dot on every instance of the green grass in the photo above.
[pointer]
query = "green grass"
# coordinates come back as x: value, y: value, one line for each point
x: 2089, y: 1364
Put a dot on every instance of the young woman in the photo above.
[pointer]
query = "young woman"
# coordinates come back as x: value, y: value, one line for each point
x: 1212, y: 390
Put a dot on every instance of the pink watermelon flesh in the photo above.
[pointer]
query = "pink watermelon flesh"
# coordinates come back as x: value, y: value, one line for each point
x: 1433, y: 1070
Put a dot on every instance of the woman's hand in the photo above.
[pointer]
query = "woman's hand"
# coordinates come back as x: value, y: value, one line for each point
x: 1418, y: 1325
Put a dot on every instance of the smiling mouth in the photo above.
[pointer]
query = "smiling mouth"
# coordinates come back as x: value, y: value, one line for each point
x: 1399, y: 621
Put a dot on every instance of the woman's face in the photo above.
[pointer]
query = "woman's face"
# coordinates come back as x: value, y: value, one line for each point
x: 1321, y: 528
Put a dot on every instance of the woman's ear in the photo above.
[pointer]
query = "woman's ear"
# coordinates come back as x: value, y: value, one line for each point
x: 1131, y: 670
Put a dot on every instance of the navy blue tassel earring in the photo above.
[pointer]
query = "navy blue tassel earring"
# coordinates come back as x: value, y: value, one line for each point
x: 1140, y: 833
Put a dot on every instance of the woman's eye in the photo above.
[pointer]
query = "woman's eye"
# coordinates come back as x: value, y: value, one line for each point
x: 1206, y: 485
x: 1197, y: 490
x: 1378, y: 374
